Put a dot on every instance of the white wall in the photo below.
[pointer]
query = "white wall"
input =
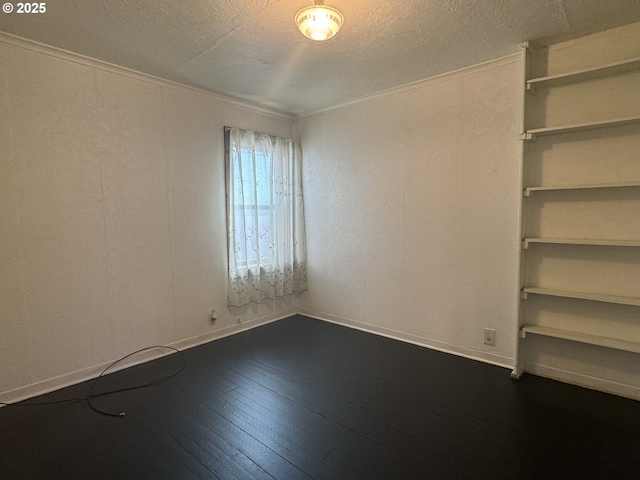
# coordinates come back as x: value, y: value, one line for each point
x: 112, y: 215
x: 412, y: 199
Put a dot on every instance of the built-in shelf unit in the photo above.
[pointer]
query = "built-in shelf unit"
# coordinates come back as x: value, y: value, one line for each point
x: 580, y: 209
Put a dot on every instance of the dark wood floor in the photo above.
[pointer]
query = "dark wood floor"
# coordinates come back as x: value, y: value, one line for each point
x: 301, y: 398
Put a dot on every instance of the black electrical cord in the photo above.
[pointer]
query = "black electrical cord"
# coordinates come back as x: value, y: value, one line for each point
x: 90, y: 396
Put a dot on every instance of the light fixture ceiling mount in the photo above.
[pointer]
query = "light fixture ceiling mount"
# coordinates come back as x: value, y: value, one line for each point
x: 319, y: 22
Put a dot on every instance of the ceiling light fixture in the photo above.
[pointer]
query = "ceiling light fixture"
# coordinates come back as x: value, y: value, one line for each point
x: 319, y: 22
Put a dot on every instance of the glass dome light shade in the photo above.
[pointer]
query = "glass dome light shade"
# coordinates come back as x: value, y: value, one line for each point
x: 319, y: 22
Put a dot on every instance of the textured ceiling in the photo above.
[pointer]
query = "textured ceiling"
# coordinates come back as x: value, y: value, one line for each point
x: 252, y: 50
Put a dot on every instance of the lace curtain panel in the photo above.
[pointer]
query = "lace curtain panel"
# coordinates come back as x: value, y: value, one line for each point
x: 267, y: 256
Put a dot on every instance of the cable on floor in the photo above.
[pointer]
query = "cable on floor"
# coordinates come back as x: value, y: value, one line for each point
x: 90, y: 396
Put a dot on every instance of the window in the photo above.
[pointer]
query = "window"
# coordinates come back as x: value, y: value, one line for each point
x: 265, y: 223
x: 250, y: 204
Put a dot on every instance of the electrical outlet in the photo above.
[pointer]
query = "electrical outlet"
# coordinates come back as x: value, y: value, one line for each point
x: 489, y: 336
x: 213, y: 317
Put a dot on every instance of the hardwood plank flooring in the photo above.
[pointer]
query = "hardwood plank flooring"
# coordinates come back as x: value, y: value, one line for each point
x: 306, y: 399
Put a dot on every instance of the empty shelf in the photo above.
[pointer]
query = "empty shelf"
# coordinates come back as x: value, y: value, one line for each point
x: 579, y: 127
x: 528, y: 190
x: 582, y: 337
x: 582, y: 241
x: 596, y: 297
x: 586, y: 74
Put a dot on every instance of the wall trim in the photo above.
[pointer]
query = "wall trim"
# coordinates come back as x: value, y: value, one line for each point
x: 581, y: 380
x: 462, y: 72
x: 69, y: 56
x: 472, y: 354
x: 584, y: 381
x: 79, y: 376
x: 572, y: 378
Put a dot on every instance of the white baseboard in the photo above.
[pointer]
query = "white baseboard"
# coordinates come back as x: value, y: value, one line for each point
x: 73, y: 378
x: 586, y: 381
x: 49, y: 385
x: 581, y: 380
x: 232, y: 330
x: 498, y: 360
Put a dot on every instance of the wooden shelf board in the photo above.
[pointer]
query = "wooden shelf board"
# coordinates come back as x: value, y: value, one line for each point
x: 528, y: 190
x: 582, y: 337
x: 581, y: 241
x: 585, y: 74
x: 596, y: 297
x: 579, y: 127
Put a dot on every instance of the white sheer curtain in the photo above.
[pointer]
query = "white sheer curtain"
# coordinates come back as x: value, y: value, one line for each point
x: 267, y: 255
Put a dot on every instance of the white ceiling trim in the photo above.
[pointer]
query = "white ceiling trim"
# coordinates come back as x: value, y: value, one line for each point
x: 83, y: 60
x: 252, y: 51
x: 462, y: 72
